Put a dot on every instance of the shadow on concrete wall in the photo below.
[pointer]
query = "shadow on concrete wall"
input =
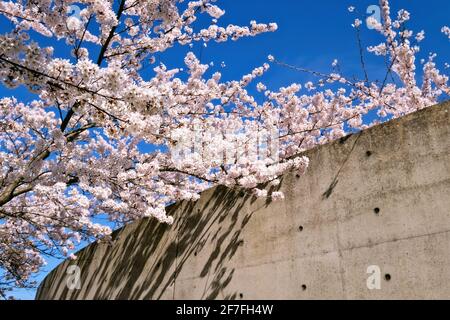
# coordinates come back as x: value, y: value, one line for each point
x: 145, y: 258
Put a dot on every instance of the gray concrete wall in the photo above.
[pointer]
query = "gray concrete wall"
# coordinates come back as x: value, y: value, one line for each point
x: 381, y: 197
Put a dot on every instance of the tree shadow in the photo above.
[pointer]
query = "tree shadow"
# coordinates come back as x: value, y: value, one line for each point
x: 147, y: 259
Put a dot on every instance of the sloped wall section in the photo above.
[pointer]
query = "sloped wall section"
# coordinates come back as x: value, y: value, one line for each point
x: 378, y: 201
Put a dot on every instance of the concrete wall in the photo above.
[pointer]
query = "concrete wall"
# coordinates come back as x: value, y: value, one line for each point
x: 381, y: 197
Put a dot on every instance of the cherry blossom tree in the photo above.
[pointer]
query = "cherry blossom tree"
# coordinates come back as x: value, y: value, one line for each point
x: 75, y: 153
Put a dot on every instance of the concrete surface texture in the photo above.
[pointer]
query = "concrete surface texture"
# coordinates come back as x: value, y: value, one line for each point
x: 377, y: 201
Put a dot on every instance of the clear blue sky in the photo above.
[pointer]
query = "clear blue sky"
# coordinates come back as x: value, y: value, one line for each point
x: 311, y: 34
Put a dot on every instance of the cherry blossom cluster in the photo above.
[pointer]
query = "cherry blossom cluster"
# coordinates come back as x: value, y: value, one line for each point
x: 446, y: 30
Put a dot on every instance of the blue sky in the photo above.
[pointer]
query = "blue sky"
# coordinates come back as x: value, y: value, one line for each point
x: 311, y: 34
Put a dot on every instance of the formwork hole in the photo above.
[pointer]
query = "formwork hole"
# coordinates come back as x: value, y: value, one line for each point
x: 368, y: 153
x: 376, y: 210
x: 241, y: 295
x: 304, y: 287
x: 387, y: 277
x: 300, y: 228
